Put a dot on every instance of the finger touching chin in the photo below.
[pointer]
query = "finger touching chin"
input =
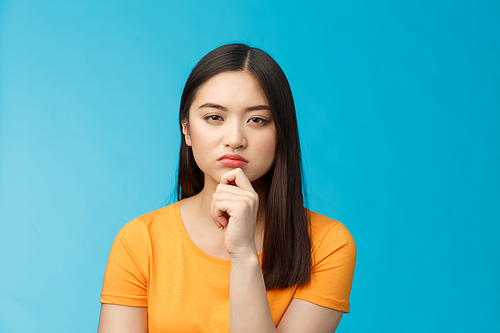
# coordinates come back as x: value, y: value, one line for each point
x: 221, y: 221
x: 231, y: 175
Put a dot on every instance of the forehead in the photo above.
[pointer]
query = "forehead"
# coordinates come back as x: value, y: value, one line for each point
x: 231, y: 89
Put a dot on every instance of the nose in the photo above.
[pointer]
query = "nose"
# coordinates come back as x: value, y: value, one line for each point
x: 234, y: 136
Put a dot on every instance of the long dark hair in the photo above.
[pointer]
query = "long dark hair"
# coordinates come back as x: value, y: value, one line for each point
x: 287, y: 248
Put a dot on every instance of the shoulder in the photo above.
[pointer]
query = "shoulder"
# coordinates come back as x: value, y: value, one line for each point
x: 150, y: 223
x: 329, y: 235
x: 333, y: 254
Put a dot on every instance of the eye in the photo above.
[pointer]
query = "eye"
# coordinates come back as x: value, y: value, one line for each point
x: 213, y: 117
x: 257, y: 120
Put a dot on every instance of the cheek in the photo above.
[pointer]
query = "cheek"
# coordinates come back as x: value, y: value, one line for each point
x: 268, y: 146
x: 199, y: 145
x: 203, y: 144
x: 200, y: 136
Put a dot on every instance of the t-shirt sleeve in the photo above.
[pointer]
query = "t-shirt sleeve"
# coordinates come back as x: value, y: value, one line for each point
x: 334, y: 257
x: 126, y: 277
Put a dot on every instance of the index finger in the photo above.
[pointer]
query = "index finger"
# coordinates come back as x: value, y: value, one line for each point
x: 238, y: 177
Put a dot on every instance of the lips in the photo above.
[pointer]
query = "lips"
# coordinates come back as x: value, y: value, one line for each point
x: 233, y: 160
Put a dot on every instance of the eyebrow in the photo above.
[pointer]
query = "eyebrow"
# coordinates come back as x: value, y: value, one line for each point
x: 220, y: 107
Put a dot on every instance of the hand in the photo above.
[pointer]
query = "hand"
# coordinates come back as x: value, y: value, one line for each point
x: 234, y: 208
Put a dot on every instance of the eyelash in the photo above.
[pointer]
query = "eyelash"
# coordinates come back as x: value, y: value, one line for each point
x: 259, y: 120
x: 211, y: 117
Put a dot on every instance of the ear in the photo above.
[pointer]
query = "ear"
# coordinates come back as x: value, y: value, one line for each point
x: 185, y: 131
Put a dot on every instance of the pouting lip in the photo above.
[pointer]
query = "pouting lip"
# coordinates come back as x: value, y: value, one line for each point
x: 232, y: 157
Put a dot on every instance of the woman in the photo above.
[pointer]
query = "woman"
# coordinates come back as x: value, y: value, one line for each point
x: 238, y: 252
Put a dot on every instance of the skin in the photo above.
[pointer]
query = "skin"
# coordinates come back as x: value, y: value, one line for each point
x: 230, y: 115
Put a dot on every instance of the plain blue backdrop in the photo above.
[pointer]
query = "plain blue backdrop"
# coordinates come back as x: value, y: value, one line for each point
x: 398, y: 107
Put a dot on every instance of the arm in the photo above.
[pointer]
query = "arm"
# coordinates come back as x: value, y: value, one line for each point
x: 303, y: 316
x: 249, y: 307
x: 123, y: 319
x: 125, y: 279
x: 250, y: 312
x: 235, y: 209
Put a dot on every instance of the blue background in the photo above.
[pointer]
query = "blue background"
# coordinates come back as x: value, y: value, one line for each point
x: 398, y: 106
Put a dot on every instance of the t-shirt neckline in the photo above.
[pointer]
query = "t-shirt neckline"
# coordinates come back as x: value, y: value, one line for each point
x: 193, y: 246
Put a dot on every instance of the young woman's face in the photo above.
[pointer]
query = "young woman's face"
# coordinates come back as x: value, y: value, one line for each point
x: 231, y: 126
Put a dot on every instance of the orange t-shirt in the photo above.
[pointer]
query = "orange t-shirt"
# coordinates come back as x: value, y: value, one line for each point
x: 153, y: 263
